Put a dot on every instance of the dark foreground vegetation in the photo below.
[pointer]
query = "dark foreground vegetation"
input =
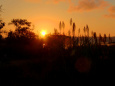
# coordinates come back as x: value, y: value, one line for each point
x: 56, y: 59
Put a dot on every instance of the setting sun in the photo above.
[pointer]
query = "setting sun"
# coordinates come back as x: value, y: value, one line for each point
x: 43, y: 33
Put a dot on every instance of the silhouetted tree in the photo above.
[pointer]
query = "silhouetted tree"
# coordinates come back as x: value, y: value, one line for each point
x: 22, y: 31
x: 19, y: 23
x: 2, y: 24
x: 78, y: 32
x: 73, y: 30
x: 60, y: 26
x: 69, y: 34
x: 84, y: 29
x: 104, y: 39
x: 100, y: 38
x: 95, y: 37
x: 92, y: 36
x: 78, y: 35
x: 71, y: 22
x: 63, y: 25
x: 55, y: 31
x: 87, y: 29
x: 110, y: 40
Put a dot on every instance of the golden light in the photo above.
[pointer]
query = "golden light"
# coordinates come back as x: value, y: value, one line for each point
x: 43, y: 33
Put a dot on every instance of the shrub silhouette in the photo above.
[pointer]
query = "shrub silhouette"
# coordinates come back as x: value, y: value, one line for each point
x: 2, y: 24
x: 22, y: 32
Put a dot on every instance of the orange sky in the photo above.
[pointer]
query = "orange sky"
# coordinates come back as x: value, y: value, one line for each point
x: 46, y: 14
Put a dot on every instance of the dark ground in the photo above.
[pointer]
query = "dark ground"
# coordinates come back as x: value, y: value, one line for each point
x: 78, y: 66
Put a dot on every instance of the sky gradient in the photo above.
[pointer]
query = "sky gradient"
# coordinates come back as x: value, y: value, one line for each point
x: 46, y: 14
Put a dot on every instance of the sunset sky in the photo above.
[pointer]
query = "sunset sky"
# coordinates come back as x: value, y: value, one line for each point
x: 46, y: 14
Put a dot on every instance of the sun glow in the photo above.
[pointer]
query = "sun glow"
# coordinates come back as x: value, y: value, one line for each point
x: 43, y: 33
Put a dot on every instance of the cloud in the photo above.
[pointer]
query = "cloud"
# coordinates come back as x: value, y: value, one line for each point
x: 88, y: 5
x: 111, y: 11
